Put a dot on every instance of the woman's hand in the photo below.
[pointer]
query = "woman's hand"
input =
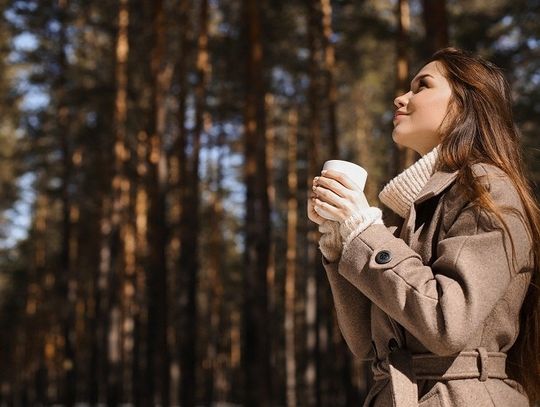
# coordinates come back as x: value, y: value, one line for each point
x: 337, y: 196
x: 312, y: 215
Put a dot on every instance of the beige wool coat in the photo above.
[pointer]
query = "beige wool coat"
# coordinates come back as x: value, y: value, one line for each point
x: 434, y: 300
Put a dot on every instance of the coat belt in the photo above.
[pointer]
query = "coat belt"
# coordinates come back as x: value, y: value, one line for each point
x: 404, y: 369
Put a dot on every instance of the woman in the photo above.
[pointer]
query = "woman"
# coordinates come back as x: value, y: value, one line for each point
x: 444, y: 300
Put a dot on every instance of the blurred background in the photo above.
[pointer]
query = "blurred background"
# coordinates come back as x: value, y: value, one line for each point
x: 155, y: 162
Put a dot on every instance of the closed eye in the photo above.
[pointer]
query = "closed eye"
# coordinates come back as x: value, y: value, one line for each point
x: 421, y: 84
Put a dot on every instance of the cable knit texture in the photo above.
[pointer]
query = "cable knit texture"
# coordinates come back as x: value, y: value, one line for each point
x: 357, y: 222
x: 400, y: 192
x: 330, y: 241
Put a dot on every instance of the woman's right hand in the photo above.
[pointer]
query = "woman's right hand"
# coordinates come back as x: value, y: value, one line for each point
x: 312, y: 215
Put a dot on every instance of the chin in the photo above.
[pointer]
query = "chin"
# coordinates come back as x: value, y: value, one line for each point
x: 399, y: 139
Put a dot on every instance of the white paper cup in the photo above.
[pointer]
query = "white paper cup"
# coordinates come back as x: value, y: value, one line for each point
x: 356, y: 173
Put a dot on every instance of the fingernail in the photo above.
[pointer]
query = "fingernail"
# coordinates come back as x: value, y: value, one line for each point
x: 324, y: 172
x: 314, y: 188
x: 316, y: 179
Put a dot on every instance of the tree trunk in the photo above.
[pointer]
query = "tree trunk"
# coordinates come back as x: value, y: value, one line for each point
x: 403, y: 156
x: 157, y: 350
x: 141, y: 368
x: 120, y: 206
x: 290, y: 273
x: 67, y: 280
x: 255, y: 354
x: 190, y: 249
x: 216, y: 288
x: 313, y: 264
x: 436, y: 25
x: 330, y: 71
x: 183, y: 189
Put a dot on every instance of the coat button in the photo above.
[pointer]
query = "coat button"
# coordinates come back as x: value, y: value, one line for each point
x: 392, y: 344
x: 383, y: 257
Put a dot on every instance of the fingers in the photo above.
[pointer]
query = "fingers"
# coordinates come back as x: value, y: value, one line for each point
x: 342, y: 178
x: 326, y: 210
x: 312, y: 214
x: 328, y: 196
x: 332, y: 185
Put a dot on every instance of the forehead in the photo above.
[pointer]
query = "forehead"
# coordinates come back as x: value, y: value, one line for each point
x: 434, y: 68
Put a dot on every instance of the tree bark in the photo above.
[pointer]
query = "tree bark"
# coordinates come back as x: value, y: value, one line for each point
x: 157, y: 349
x: 313, y: 265
x: 255, y: 342
x: 183, y: 198
x: 189, y: 259
x: 403, y: 156
x: 290, y: 273
x: 330, y: 73
x: 436, y: 25
x: 67, y: 280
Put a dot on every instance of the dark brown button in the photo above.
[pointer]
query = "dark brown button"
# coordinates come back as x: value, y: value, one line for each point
x: 393, y: 344
x: 383, y: 257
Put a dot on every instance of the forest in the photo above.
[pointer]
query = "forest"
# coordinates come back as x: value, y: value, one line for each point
x: 156, y: 162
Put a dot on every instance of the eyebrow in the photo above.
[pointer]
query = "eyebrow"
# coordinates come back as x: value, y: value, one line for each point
x: 420, y: 77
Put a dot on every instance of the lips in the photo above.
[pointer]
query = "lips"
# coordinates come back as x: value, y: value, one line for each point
x: 398, y: 114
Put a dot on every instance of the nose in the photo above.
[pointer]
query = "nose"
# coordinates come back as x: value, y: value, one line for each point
x: 401, y: 101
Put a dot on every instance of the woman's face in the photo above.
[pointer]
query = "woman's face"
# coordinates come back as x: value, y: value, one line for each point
x: 420, y: 112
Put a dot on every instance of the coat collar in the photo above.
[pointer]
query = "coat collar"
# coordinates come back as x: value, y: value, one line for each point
x: 435, y: 185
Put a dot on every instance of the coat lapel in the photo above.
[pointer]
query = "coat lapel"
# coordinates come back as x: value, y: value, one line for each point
x: 434, y: 186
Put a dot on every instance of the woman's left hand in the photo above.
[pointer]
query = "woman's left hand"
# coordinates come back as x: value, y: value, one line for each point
x: 337, y: 196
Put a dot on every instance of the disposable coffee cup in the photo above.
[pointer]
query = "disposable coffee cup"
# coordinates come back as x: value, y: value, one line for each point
x: 356, y: 173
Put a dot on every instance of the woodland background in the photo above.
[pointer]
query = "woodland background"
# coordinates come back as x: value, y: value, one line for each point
x: 155, y: 162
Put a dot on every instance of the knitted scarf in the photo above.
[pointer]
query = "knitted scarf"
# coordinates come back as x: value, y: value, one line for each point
x: 400, y: 192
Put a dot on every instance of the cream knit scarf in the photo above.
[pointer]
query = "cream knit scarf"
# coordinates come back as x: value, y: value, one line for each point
x: 400, y: 192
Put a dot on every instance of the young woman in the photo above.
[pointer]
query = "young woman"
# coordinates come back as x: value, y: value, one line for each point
x: 444, y: 300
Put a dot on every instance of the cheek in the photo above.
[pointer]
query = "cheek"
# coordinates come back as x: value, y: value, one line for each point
x: 431, y: 113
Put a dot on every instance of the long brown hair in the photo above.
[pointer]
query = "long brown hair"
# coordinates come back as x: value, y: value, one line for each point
x: 480, y: 128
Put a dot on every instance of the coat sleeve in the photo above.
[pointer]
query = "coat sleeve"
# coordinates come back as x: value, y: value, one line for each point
x: 444, y: 304
x: 352, y: 311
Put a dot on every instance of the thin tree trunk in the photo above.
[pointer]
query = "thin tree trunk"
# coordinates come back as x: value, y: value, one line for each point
x: 255, y: 340
x: 216, y: 289
x: 190, y: 248
x: 121, y: 197
x: 67, y: 280
x: 183, y: 189
x: 158, y: 350
x: 436, y: 25
x: 275, y: 341
x: 290, y: 273
x: 103, y: 288
x: 313, y: 266
x: 141, y: 389
x: 330, y: 71
x: 403, y: 156
x: 35, y: 295
x: 122, y: 208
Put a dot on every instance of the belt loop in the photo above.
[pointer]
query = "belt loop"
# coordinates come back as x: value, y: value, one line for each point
x: 483, y: 368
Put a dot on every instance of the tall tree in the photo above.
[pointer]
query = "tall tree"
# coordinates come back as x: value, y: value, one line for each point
x: 190, y: 248
x: 330, y: 73
x: 255, y: 354
x: 157, y: 348
x: 184, y: 198
x: 67, y: 281
x: 120, y: 221
x: 403, y: 156
x: 435, y: 24
x: 314, y: 152
x: 290, y: 273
